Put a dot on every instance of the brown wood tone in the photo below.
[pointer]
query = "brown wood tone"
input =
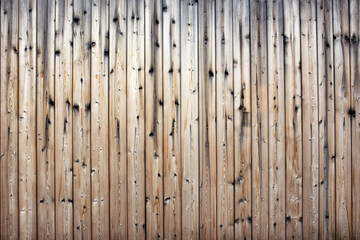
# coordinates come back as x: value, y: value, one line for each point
x: 171, y: 94
x: 117, y: 119
x: 179, y: 119
x: 326, y: 120
x: 99, y: 119
x: 259, y: 120
x: 354, y: 113
x: 154, y: 105
x: 136, y: 119
x: 276, y: 101
x: 81, y: 120
x: 207, y: 124
x: 27, y: 120
x: 9, y: 88
x: 45, y: 110
x: 242, y: 118
x: 310, y: 119
x: 293, y: 111
x: 341, y: 31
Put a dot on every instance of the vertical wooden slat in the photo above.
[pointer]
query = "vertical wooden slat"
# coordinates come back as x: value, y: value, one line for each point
x: 224, y: 120
x: 242, y: 118
x: 293, y: 135
x: 136, y: 119
x: 45, y: 110
x: 342, y: 118
x: 326, y: 120
x: 27, y: 119
x: 259, y: 110
x: 63, y: 119
x: 309, y: 119
x: 9, y: 205
x: 99, y: 119
x: 172, y: 82
x: 355, y: 113
x: 154, y: 118
x: 207, y: 113
x: 117, y: 119
x: 81, y: 119
x: 189, y: 119
x: 276, y: 100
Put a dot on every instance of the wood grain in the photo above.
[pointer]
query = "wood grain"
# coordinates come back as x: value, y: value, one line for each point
x: 45, y: 116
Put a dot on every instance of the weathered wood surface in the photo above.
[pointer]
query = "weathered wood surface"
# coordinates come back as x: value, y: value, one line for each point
x: 181, y: 119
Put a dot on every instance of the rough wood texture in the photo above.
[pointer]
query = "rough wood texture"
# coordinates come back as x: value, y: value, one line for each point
x: 207, y: 124
x: 136, y: 119
x: 63, y: 120
x: 117, y: 119
x: 293, y: 110
x: 81, y: 119
x: 309, y: 119
x: 276, y: 99
x: 9, y: 120
x: 27, y: 120
x: 45, y: 110
x: 179, y: 119
x: 326, y: 120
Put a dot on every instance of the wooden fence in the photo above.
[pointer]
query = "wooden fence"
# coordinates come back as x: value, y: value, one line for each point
x: 170, y: 119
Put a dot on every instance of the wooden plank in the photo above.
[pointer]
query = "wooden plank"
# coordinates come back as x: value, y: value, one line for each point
x: 100, y: 214
x: 260, y: 121
x: 326, y: 120
x: 242, y: 118
x: 9, y: 205
x: 81, y: 119
x: 172, y: 83
x: 207, y: 112
x: 224, y: 120
x: 189, y: 119
x: 63, y: 119
x: 354, y: 113
x: 309, y: 119
x: 154, y: 118
x: 136, y: 119
x: 45, y: 110
x: 27, y: 119
x: 293, y: 110
x: 342, y: 118
x: 117, y: 119
x: 276, y: 90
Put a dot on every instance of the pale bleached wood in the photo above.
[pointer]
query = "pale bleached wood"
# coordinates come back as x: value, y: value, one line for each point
x: 309, y: 119
x: 276, y: 100
x: 172, y: 83
x: 224, y: 120
x: 242, y: 118
x: 154, y: 118
x: 63, y: 120
x: 342, y: 118
x: 207, y: 111
x: 207, y: 114
x: 189, y: 119
x: 326, y: 120
x: 117, y: 119
x: 100, y: 214
x: 355, y: 113
x: 45, y: 110
x: 27, y: 119
x: 136, y: 119
x: 81, y: 119
x: 259, y: 120
x: 293, y: 110
x: 9, y: 205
